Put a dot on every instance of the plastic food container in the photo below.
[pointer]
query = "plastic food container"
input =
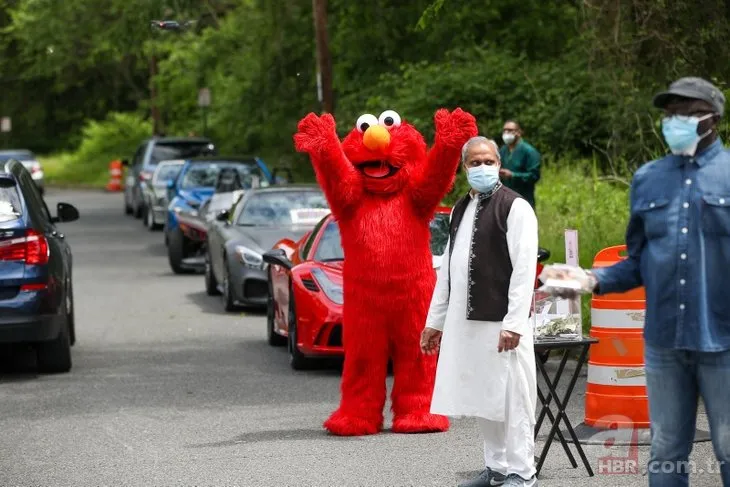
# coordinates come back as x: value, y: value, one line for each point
x: 556, y: 319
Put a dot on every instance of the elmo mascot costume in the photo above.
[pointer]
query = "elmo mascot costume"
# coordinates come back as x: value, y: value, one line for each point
x: 383, y: 186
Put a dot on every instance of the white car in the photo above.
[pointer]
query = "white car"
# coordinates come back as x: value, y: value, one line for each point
x: 30, y: 161
x: 154, y: 193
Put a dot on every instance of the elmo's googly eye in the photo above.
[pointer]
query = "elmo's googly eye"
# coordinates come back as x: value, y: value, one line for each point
x: 365, y: 121
x: 389, y: 119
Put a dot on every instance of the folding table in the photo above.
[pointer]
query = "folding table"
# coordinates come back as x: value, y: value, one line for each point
x: 567, y: 346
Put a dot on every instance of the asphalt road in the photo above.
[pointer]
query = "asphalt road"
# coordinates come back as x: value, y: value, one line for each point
x: 169, y: 390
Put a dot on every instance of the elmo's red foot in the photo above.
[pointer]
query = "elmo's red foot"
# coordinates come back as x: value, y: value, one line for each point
x: 342, y: 424
x: 420, y: 423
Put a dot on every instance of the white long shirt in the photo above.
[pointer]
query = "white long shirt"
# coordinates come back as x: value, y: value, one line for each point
x: 473, y: 378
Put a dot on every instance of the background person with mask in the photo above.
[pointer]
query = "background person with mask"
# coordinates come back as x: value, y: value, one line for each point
x: 520, y: 162
x: 678, y: 242
x: 481, y: 304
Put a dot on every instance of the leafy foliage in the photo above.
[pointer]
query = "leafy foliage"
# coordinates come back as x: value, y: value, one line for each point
x: 578, y: 75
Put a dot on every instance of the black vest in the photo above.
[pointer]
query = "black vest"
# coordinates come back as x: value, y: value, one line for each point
x: 490, y: 266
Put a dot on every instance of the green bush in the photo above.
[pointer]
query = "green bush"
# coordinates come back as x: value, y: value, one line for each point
x: 116, y: 137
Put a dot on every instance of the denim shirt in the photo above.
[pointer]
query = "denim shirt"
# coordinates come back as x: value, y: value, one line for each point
x: 678, y: 246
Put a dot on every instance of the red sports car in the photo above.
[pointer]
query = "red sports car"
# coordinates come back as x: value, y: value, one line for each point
x: 305, y: 289
x: 304, y: 309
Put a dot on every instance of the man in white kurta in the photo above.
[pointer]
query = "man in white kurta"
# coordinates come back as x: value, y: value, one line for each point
x: 486, y: 369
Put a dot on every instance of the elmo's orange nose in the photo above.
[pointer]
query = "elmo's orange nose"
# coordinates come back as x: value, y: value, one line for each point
x: 376, y: 138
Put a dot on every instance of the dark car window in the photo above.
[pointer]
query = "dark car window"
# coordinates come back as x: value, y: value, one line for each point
x: 307, y: 247
x: 277, y: 208
x: 330, y: 245
x: 205, y: 174
x: 33, y: 199
x: 439, y: 233
x: 166, y: 151
x: 11, y: 208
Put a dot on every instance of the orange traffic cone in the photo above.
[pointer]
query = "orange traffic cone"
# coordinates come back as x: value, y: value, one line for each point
x: 115, y: 176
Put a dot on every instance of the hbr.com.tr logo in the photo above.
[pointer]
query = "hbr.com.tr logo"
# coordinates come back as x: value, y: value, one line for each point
x: 630, y: 466
x: 627, y: 462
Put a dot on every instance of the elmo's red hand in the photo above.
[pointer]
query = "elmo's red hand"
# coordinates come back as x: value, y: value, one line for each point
x: 433, y: 181
x: 455, y: 128
x: 317, y: 136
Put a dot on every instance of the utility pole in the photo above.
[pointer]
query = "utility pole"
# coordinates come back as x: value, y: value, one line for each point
x: 154, y: 109
x: 324, y: 63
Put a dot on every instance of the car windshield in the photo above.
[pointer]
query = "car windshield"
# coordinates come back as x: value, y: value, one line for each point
x: 330, y: 245
x: 165, y: 151
x: 17, y: 155
x: 281, y: 208
x: 439, y: 233
x: 10, y: 205
x: 167, y: 172
x: 205, y: 174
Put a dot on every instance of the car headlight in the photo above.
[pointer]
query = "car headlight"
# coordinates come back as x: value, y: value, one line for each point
x: 331, y: 290
x: 187, y: 211
x: 250, y: 258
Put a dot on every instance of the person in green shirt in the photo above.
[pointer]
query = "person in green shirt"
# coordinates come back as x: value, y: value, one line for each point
x: 520, y: 162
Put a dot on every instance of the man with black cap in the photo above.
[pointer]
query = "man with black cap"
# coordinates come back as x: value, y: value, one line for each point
x: 678, y: 243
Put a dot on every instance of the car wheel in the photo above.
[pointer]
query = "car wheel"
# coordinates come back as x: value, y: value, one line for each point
x: 149, y: 220
x: 228, y: 298
x: 54, y: 356
x: 127, y: 206
x: 176, y: 252
x: 274, y: 339
x: 297, y: 360
x: 70, y: 316
x: 211, y: 284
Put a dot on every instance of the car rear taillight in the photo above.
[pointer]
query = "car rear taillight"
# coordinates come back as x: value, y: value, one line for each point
x: 33, y: 287
x: 145, y: 176
x: 32, y: 248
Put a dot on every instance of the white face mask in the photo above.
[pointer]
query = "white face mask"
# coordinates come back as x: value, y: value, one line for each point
x: 508, y: 137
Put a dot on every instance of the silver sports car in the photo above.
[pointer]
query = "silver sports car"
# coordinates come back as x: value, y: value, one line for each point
x: 237, y: 238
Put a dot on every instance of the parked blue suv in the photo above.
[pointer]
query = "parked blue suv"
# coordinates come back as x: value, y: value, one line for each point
x: 36, y: 284
x: 194, y: 185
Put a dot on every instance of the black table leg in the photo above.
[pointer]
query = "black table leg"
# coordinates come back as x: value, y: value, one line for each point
x: 562, y: 416
x: 546, y: 403
x: 546, y: 411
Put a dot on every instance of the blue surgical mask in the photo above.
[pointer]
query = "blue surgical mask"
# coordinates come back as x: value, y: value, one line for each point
x: 483, y: 177
x: 680, y: 133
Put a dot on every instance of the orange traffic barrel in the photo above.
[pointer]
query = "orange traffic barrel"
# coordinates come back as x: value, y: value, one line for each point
x: 115, y: 176
x: 616, y: 385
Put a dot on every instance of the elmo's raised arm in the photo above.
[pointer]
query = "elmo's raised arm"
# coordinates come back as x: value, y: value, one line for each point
x: 433, y: 181
x: 336, y: 175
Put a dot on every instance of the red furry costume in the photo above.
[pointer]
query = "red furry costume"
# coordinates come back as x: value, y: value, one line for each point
x: 383, y: 187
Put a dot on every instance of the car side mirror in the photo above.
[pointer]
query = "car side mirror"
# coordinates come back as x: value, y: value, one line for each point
x: 542, y: 254
x: 66, y: 213
x: 222, y: 215
x: 278, y: 257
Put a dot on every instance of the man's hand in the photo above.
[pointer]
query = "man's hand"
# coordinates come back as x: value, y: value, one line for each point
x: 430, y: 341
x: 568, y: 282
x: 505, y: 173
x: 508, y: 340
